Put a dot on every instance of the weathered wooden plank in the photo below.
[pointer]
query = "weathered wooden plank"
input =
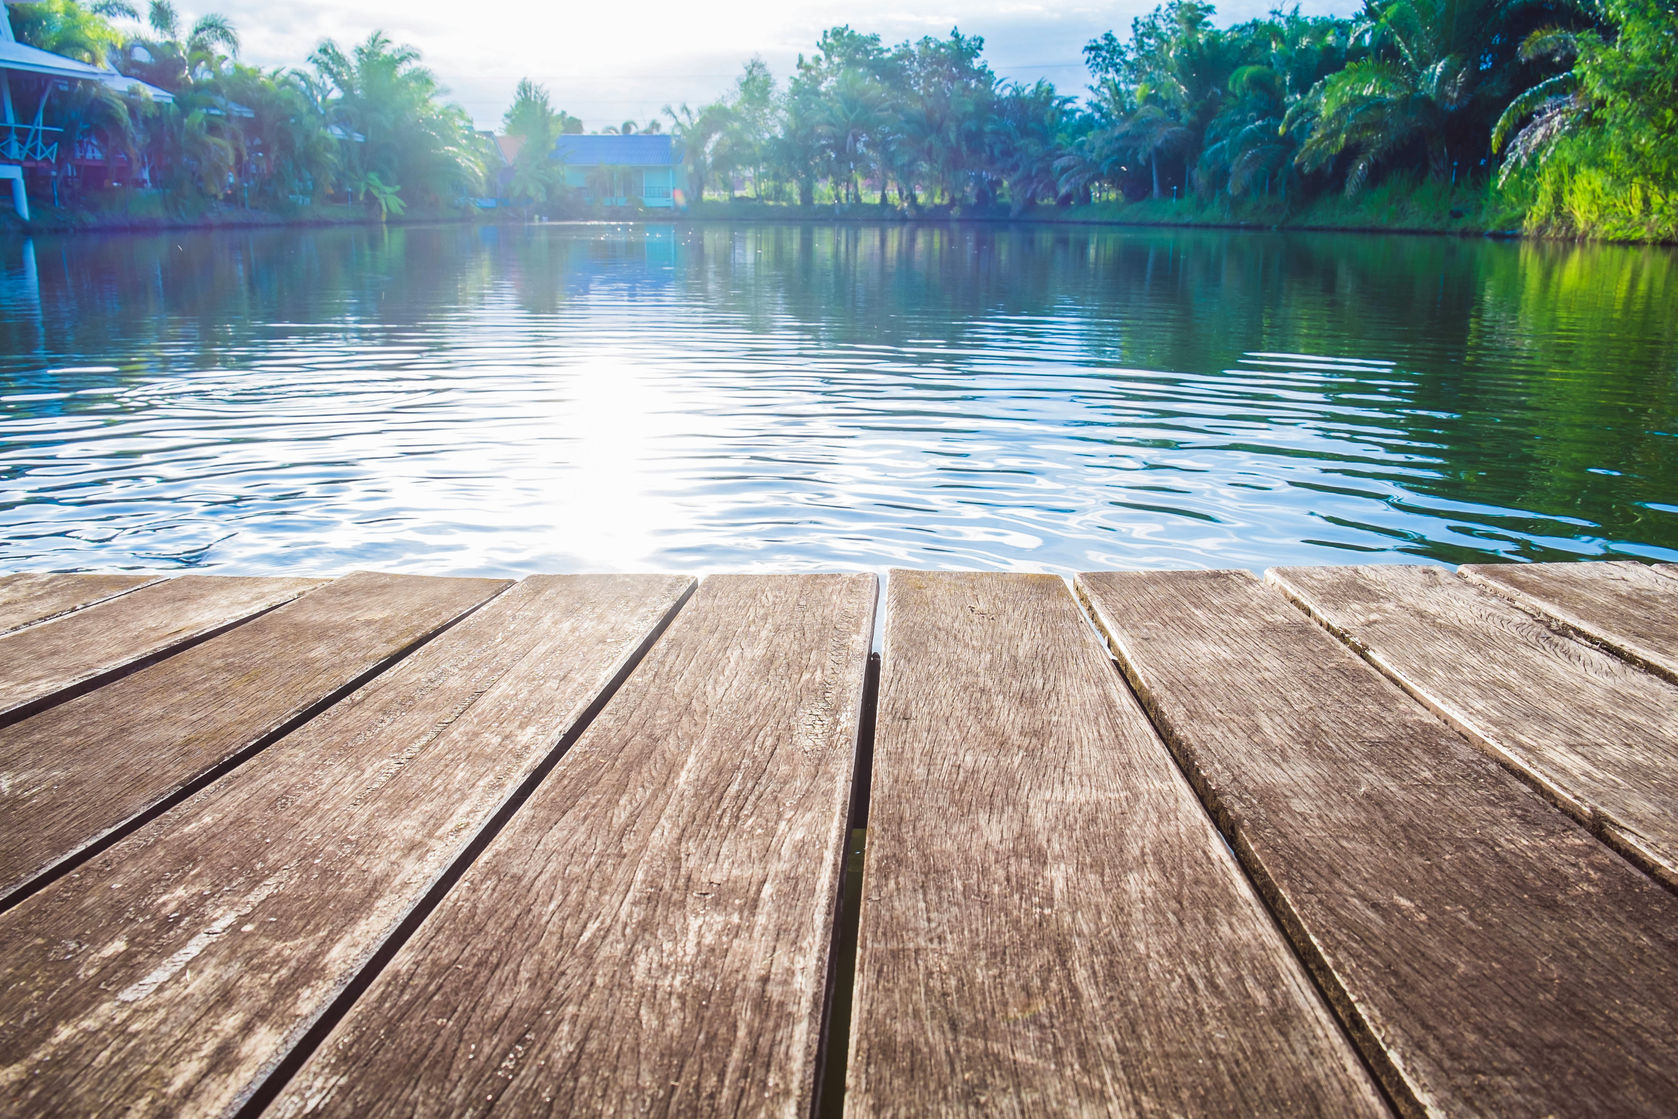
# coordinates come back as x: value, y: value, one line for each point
x: 173, y: 972
x: 1596, y: 735
x: 1050, y: 923
x: 650, y: 934
x: 30, y: 596
x: 44, y: 664
x: 1490, y: 956
x: 1627, y: 606
x: 78, y: 771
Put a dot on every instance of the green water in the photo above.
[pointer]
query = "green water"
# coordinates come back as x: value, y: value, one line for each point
x: 795, y: 396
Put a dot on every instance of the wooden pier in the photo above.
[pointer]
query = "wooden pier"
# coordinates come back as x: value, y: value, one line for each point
x: 1340, y: 841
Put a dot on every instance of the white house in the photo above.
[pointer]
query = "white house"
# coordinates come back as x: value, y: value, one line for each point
x: 28, y: 74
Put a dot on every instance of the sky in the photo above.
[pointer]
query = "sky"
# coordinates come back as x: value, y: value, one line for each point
x: 610, y: 62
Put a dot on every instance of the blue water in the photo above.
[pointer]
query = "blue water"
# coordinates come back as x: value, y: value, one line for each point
x: 563, y: 398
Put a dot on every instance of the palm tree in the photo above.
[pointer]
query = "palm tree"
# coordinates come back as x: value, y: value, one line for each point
x: 389, y: 110
x: 1029, y: 135
x: 795, y: 153
x: 697, y: 133
x: 197, y: 143
x: 1159, y: 93
x: 851, y: 125
x: 1249, y: 144
x: 1544, y: 112
x: 1430, y: 64
x: 537, y: 177
x: 289, y: 155
x: 1092, y: 159
x: 68, y: 28
x: 1374, y: 108
x: 752, y: 122
x: 91, y: 113
x: 175, y: 61
x: 1153, y: 134
x: 951, y: 96
x: 1602, y: 142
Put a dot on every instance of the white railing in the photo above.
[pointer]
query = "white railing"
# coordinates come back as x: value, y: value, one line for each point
x: 22, y: 143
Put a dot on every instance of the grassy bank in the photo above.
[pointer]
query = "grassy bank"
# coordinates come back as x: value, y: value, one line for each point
x: 1391, y: 207
x: 141, y: 211
x: 1396, y: 206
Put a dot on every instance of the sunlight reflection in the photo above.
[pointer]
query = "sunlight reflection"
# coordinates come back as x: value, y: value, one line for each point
x: 573, y: 398
x: 606, y: 506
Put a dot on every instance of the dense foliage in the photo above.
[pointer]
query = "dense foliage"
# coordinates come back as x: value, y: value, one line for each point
x: 1561, y: 111
x: 1565, y: 110
x: 368, y: 124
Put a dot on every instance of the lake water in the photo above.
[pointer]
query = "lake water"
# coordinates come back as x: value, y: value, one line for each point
x: 605, y: 397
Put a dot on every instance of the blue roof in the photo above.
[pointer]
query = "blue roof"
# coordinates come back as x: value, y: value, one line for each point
x: 615, y: 151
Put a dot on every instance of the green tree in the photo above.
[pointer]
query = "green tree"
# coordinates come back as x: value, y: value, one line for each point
x: 68, y: 28
x: 1435, y: 74
x: 697, y: 134
x: 393, y: 123
x: 1031, y: 129
x: 835, y: 114
x: 1249, y: 145
x: 176, y: 59
x: 538, y: 179
x: 795, y: 153
x: 1158, y: 93
x: 196, y: 146
x: 288, y: 155
x: 951, y: 95
x: 1599, y: 157
x: 753, y: 123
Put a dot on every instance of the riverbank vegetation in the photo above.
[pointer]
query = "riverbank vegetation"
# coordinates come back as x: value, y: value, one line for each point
x: 365, y: 128
x: 1559, y: 117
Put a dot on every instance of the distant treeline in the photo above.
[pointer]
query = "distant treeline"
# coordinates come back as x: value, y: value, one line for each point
x: 1563, y: 111
x: 1568, y: 109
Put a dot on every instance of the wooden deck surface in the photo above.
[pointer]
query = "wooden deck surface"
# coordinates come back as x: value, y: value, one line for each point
x: 1340, y: 841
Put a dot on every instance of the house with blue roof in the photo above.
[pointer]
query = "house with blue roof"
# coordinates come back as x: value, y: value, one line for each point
x: 620, y: 170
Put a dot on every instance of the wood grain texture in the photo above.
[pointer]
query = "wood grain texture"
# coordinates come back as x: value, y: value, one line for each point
x: 77, y: 771
x: 1629, y: 607
x: 1050, y: 923
x: 29, y: 596
x: 43, y: 662
x: 650, y: 934
x: 1597, y: 736
x: 170, y: 974
x: 1491, y: 957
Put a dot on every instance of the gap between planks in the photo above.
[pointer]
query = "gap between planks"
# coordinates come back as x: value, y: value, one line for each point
x: 84, y: 774
x: 1628, y: 609
x: 441, y: 889
x: 1590, y: 730
x: 73, y: 654
x: 1478, y: 1003
x: 29, y: 598
x: 347, y: 824
x: 690, y: 847
x: 1049, y: 921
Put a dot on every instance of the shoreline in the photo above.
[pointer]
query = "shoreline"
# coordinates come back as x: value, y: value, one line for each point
x: 1333, y: 217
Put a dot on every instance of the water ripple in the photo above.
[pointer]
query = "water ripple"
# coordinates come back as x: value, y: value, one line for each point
x: 782, y: 398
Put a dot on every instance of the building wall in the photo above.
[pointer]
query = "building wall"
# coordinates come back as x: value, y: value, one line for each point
x: 659, y: 186
x: 651, y: 186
